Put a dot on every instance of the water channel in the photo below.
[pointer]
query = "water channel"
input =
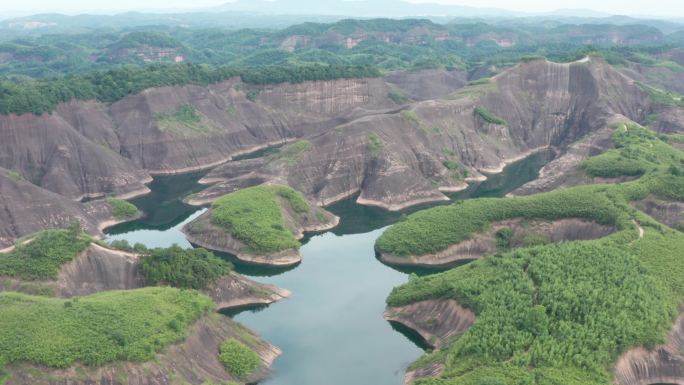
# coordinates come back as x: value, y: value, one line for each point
x: 331, y: 329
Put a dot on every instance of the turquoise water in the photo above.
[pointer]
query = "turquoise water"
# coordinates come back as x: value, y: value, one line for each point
x: 331, y: 329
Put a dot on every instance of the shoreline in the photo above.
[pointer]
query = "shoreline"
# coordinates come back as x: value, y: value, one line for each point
x: 507, y: 161
x: 284, y: 260
x: 206, y: 166
x: 279, y: 259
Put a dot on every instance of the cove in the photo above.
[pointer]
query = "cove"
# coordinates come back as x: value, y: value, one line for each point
x: 331, y: 329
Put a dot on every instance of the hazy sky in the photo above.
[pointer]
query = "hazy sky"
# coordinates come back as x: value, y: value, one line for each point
x: 668, y: 8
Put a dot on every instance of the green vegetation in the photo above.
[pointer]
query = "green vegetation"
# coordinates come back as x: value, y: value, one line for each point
x: 97, y: 329
x: 637, y: 151
x: 411, y: 116
x: 558, y: 312
x: 15, y: 175
x: 122, y: 244
x: 397, y: 97
x: 490, y: 117
x: 238, y: 359
x: 40, y: 96
x: 146, y: 38
x: 555, y: 313
x: 184, y: 120
x: 122, y: 209
x: 184, y: 268
x: 254, y: 216
x: 375, y: 145
x: 252, y: 95
x: 451, y: 164
x: 292, y: 152
x: 503, y: 238
x: 41, y: 256
x: 663, y: 97
x: 42, y: 69
x: 435, y: 229
x: 480, y: 81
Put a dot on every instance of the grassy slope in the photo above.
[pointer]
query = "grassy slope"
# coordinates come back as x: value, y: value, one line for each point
x: 558, y: 313
x: 122, y: 209
x: 100, y: 328
x: 184, y: 121
x: 40, y: 256
x: 254, y: 216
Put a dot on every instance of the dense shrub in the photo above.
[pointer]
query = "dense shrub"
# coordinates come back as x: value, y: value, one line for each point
x: 582, y: 318
x: 97, y: 329
x: 253, y: 215
x: 435, y: 229
x: 40, y: 96
x: 184, y: 268
x: 238, y: 359
x: 558, y: 313
x: 489, y: 116
x: 42, y: 255
x: 397, y: 98
x: 375, y: 145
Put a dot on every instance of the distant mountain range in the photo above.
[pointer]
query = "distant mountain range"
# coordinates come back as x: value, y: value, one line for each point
x: 283, y: 13
x: 362, y: 8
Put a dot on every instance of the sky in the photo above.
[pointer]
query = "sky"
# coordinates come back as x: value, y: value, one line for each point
x: 663, y: 8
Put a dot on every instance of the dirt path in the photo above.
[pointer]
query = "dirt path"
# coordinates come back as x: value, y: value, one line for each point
x: 641, y: 229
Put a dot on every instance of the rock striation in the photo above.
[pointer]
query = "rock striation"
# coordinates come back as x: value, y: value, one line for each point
x: 395, y: 159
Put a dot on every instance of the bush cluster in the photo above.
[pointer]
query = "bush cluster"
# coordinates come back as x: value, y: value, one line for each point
x: 42, y: 255
x: 238, y: 359
x: 183, y: 268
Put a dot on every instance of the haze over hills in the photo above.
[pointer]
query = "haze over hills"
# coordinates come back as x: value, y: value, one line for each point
x: 281, y: 13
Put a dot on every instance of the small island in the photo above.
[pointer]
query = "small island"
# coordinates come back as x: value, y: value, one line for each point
x: 259, y: 225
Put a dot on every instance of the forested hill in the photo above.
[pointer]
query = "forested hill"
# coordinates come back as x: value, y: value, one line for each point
x: 40, y: 96
x: 37, y: 50
x: 39, y: 71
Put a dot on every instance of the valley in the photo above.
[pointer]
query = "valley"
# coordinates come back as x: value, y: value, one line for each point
x: 368, y: 201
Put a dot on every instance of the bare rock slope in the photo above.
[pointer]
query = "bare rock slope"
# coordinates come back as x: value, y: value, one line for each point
x: 26, y: 208
x: 395, y: 159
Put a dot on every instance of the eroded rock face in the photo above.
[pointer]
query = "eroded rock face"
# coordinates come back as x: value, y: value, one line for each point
x: 26, y: 208
x: 670, y: 213
x: 662, y: 365
x: 427, y: 84
x: 436, y: 320
x: 235, y: 290
x: 49, y: 152
x: 195, y: 361
x: 482, y: 244
x: 99, y: 269
x: 88, y: 149
x: 429, y: 146
x: 234, y: 122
